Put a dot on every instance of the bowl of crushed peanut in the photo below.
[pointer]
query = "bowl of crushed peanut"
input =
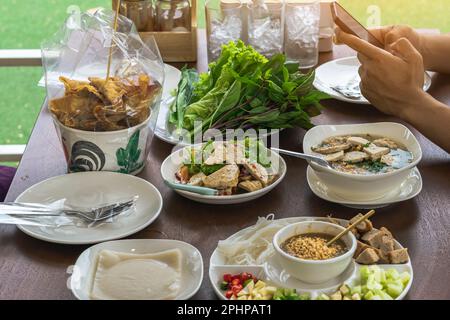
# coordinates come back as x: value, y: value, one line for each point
x: 302, y: 250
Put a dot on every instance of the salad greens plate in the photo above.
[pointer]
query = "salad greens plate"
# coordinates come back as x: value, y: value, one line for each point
x: 242, y: 90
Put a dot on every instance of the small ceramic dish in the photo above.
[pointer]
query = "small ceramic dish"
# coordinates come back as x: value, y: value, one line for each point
x: 355, y: 187
x: 314, y: 271
x: 173, y: 162
x: 191, y: 266
x: 409, y: 189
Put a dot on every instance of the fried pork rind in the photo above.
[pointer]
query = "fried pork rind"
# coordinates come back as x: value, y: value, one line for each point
x: 74, y: 87
x: 100, y: 105
x: 113, y: 89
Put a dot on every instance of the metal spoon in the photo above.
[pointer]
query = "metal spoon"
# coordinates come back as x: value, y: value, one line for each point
x: 320, y: 161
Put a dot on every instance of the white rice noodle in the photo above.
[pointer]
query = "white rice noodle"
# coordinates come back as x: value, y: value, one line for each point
x: 254, y: 246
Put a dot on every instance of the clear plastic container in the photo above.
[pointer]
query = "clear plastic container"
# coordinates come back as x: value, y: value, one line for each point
x: 224, y: 23
x: 302, y: 32
x: 265, y: 26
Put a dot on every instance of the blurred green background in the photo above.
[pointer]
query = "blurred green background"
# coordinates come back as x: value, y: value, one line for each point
x: 25, y: 23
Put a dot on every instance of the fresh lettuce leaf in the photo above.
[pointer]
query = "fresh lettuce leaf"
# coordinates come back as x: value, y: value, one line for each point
x: 244, y: 89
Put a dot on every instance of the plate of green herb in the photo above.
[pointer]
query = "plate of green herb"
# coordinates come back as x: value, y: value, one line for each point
x: 242, y: 90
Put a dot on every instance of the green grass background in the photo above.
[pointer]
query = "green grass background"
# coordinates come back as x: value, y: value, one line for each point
x: 25, y: 23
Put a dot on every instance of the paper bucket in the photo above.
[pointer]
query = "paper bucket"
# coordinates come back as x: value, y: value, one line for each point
x: 121, y: 151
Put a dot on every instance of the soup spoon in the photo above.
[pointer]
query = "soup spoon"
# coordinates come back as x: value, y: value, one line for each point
x: 195, y: 189
x: 318, y: 160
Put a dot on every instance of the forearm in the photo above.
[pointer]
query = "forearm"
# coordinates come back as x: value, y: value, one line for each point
x: 431, y: 118
x: 435, y: 50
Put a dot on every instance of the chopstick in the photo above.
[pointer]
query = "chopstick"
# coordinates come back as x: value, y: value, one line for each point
x: 116, y: 17
x: 350, y: 227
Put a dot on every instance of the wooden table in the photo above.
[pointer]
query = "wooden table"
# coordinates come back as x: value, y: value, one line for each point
x: 33, y: 269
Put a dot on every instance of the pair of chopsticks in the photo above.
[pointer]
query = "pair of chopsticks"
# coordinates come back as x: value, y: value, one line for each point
x: 350, y: 227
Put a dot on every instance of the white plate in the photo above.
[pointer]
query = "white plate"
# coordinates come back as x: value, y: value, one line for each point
x: 89, y: 189
x: 192, y: 264
x: 342, y: 71
x: 163, y: 128
x: 274, y: 274
x: 172, y: 163
x: 171, y: 78
x: 409, y: 189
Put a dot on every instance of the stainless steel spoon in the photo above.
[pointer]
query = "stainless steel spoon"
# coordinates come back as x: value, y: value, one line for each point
x: 307, y: 157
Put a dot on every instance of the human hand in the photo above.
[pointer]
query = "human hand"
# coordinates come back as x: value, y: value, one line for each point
x: 391, y: 80
x: 391, y: 34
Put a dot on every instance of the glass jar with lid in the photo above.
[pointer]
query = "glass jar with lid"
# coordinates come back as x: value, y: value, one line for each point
x: 141, y: 12
x: 173, y: 15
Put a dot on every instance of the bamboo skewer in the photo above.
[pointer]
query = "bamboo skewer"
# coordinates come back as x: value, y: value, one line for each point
x: 116, y: 18
x: 350, y: 227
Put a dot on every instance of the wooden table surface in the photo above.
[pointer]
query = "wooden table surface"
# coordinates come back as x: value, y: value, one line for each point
x: 33, y: 269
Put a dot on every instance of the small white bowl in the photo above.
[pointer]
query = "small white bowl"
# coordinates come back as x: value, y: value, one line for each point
x: 356, y: 187
x: 314, y: 271
x: 172, y: 163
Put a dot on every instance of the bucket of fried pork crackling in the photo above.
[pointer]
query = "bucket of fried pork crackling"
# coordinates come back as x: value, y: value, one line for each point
x: 104, y: 88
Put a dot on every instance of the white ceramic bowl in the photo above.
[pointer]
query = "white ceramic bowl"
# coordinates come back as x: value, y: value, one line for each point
x: 314, y: 271
x: 363, y: 187
x: 172, y: 163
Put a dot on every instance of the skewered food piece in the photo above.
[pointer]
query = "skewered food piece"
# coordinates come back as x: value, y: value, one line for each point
x: 375, y: 246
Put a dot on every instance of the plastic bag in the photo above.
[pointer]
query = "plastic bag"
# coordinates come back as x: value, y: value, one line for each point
x: 104, y: 124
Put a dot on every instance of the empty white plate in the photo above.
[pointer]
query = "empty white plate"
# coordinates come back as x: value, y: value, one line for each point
x: 191, y: 266
x: 91, y: 189
x: 410, y: 188
x: 341, y: 72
